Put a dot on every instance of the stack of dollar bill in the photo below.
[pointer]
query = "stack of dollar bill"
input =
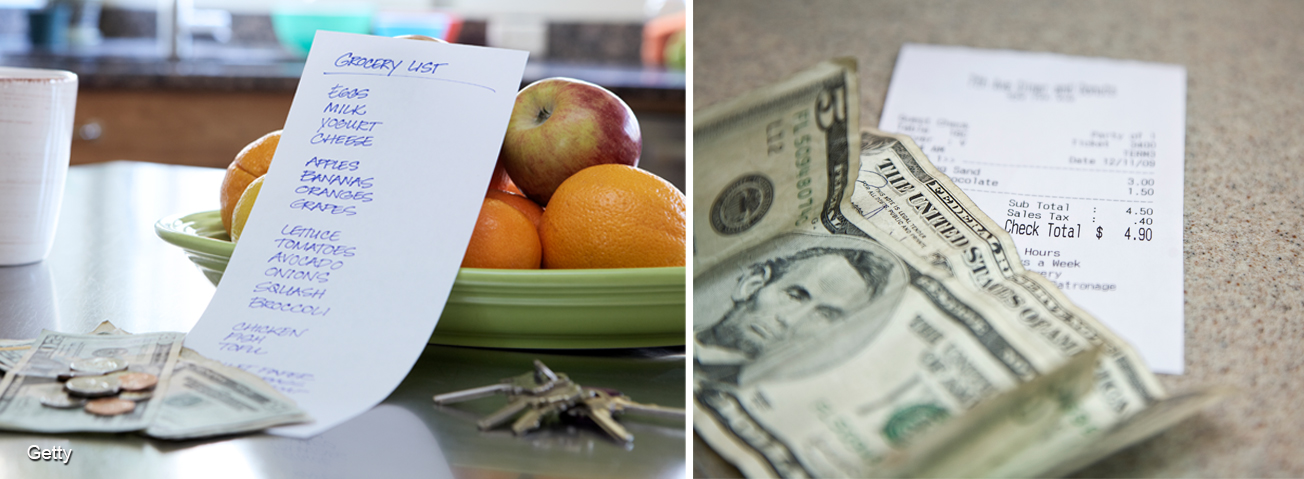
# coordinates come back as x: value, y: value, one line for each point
x: 193, y: 397
x: 856, y: 315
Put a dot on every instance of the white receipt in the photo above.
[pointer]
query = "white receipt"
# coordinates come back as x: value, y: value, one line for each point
x: 1080, y: 159
x: 352, y: 248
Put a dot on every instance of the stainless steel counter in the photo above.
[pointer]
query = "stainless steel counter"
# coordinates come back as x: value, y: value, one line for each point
x: 108, y: 265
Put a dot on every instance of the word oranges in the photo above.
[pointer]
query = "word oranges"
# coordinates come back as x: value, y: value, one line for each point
x: 613, y: 216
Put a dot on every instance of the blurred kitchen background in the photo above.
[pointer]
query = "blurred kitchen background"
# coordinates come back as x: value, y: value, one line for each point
x: 192, y: 81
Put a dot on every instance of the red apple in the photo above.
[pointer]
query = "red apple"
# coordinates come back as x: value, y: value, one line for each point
x: 560, y: 126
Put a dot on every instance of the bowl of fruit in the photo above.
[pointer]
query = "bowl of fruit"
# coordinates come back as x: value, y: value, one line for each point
x: 571, y: 249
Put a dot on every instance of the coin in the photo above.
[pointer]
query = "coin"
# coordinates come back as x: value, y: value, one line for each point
x: 66, y: 375
x: 137, y: 381
x: 61, y: 400
x: 93, y: 386
x: 99, y: 365
x: 110, y: 406
x: 136, y: 395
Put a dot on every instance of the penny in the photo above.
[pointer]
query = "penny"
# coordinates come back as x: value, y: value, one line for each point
x: 93, y: 386
x: 61, y: 400
x: 110, y: 406
x: 136, y: 395
x: 137, y: 381
x: 99, y: 365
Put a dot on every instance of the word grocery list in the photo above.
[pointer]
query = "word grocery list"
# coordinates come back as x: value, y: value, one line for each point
x: 1079, y: 159
x: 352, y: 247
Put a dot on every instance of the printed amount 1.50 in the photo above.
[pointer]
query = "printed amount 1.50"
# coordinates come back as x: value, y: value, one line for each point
x: 1141, y: 186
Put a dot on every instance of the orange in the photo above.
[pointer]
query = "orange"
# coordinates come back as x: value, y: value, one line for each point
x: 613, y: 216
x: 525, y: 205
x: 500, y: 180
x: 504, y: 238
x: 512, y: 188
x: 249, y: 164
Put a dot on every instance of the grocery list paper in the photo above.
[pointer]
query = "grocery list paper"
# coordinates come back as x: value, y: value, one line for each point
x: 352, y: 247
x: 1080, y: 159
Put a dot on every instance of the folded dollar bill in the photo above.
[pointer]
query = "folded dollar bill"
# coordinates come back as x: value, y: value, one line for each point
x: 194, y: 396
x: 12, y: 350
x: 208, y: 398
x: 213, y: 399
x: 35, y: 378
x: 856, y: 315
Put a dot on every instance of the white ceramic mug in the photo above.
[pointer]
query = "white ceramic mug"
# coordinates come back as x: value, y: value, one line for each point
x: 36, y: 112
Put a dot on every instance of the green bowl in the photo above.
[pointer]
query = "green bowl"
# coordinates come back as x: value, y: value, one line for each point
x: 544, y: 309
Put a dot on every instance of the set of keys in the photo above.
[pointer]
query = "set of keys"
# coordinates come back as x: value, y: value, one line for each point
x: 541, y: 394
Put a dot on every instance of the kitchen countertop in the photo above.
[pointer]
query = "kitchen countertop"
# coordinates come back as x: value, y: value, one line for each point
x: 135, y: 64
x: 1244, y: 192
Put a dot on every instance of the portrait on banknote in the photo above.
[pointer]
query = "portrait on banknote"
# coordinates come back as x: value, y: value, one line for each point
x: 763, y: 313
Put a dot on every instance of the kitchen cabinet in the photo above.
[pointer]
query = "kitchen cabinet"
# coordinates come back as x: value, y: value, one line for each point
x: 182, y: 127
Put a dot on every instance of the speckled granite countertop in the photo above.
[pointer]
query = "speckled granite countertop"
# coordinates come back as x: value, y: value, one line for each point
x: 1244, y: 193
x: 133, y: 64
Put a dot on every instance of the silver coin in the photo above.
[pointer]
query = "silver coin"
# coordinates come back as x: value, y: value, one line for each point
x: 61, y: 400
x: 69, y: 374
x: 137, y: 396
x: 99, y: 365
x: 93, y: 386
